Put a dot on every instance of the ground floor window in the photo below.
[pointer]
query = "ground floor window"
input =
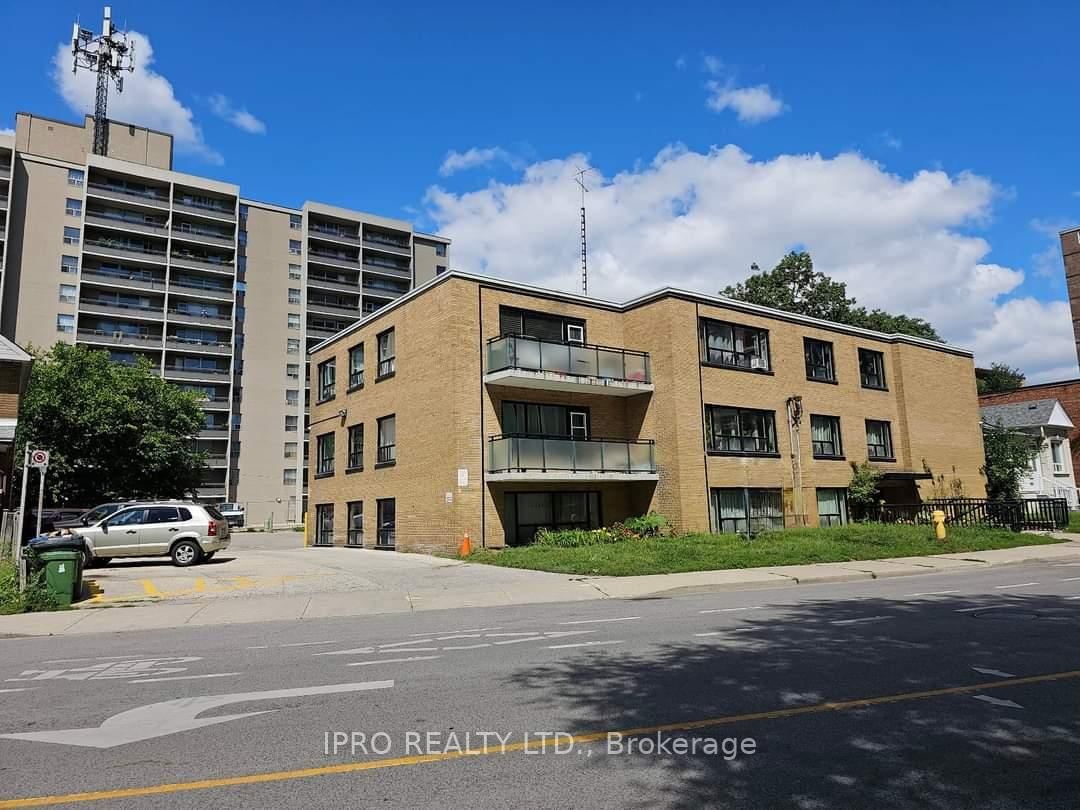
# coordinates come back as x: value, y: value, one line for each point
x: 831, y: 506
x: 744, y: 510
x: 355, y: 535
x: 528, y: 512
x: 324, y: 524
x: 386, y: 517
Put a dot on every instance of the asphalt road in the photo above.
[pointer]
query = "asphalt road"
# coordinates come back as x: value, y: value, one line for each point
x: 949, y: 690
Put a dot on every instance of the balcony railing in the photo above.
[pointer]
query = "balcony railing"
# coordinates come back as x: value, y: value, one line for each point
x: 571, y: 359
x: 142, y: 279
x: 528, y: 453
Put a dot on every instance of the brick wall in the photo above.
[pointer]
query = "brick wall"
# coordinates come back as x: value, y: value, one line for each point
x: 1070, y: 253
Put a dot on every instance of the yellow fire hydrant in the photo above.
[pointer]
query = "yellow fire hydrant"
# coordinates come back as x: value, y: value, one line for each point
x: 939, y: 524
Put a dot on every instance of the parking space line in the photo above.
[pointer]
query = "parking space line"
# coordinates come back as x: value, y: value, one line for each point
x: 149, y: 588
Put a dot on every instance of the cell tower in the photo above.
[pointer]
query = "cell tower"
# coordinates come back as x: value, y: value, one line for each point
x: 108, y: 55
x: 579, y: 178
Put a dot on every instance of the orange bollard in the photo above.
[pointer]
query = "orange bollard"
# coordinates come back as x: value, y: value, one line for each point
x: 465, y: 549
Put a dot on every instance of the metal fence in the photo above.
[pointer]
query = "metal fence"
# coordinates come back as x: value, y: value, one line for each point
x: 1036, y: 514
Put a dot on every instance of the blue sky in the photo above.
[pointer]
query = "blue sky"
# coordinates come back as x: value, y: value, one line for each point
x: 359, y: 104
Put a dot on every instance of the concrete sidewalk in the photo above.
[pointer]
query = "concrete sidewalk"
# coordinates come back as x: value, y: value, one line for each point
x: 460, y: 584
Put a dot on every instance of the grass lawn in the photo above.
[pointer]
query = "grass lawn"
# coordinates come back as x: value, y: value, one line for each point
x: 1074, y: 522
x: 711, y: 552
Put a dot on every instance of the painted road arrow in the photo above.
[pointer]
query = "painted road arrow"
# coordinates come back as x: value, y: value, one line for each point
x: 174, y: 716
x: 996, y: 672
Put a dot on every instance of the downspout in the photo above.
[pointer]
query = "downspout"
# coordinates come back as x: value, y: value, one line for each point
x: 795, y: 414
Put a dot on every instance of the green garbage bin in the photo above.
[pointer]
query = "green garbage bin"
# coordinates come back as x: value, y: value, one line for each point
x: 63, y: 573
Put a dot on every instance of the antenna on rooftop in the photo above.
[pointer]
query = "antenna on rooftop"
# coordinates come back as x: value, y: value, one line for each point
x: 108, y: 55
x: 579, y: 178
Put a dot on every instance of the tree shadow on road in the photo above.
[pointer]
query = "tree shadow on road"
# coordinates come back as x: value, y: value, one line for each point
x: 936, y: 751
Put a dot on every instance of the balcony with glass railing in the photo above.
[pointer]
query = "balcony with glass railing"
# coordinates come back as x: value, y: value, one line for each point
x: 521, y: 457
x: 526, y: 362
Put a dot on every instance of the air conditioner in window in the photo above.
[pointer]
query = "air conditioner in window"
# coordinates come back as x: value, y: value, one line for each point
x: 758, y: 363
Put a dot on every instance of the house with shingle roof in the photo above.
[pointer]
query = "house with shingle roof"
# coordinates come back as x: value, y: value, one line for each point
x: 1045, y: 420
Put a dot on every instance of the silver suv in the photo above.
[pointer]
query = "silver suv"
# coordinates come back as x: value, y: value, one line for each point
x: 187, y: 532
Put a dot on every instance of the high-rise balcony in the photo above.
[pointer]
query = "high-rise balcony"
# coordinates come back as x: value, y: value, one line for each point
x: 204, y: 236
x: 5, y: 171
x: 333, y: 259
x: 202, y: 262
x: 121, y: 249
x: 133, y: 224
x: 117, y: 337
x: 133, y: 279
x: 201, y: 288
x: 139, y: 196
x: 204, y: 207
x: 196, y: 317
x: 215, y: 374
x: 395, y: 247
x: 527, y: 362
x: 375, y: 264
x: 198, y: 346
x: 547, y: 458
x: 92, y: 306
x: 330, y: 233
x: 337, y: 283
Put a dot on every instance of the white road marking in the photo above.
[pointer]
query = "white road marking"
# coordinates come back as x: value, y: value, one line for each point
x: 308, y: 643
x: 583, y: 644
x: 260, y: 647
x: 601, y: 621
x: 1070, y: 579
x: 467, y: 646
x: 410, y: 643
x: 453, y: 637
x: 411, y: 649
x: 861, y: 621
x: 186, y: 677
x: 108, y: 670
x: 98, y: 658
x: 174, y: 716
x: 564, y: 633
x: 730, y: 610
x: 18, y: 689
x: 445, y: 632
x: 998, y: 701
x: 500, y: 635
x: 353, y: 651
x: 519, y: 640
x: 996, y: 672
x: 980, y: 607
x: 1070, y: 598
x: 394, y: 660
x: 932, y: 593
x: 1016, y: 585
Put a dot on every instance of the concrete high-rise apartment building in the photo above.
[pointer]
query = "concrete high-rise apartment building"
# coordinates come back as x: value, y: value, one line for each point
x: 222, y: 294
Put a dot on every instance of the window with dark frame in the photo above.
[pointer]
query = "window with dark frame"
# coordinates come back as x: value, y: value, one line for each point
x: 356, y: 448
x: 746, y: 511
x: 541, y: 325
x: 387, y: 450
x: 819, y: 360
x: 734, y: 346
x: 386, y: 520
x: 327, y: 375
x: 525, y: 513
x: 386, y: 355
x: 535, y: 419
x: 825, y: 436
x: 872, y: 369
x: 879, y: 440
x: 355, y: 524
x: 740, y: 431
x: 356, y: 366
x: 324, y: 458
x: 832, y: 506
x: 324, y: 524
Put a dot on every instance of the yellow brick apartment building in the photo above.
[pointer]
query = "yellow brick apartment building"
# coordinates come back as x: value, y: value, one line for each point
x: 481, y: 406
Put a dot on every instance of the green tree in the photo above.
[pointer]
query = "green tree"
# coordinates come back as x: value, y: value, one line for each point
x: 113, y: 431
x: 998, y: 379
x: 1008, y: 455
x: 794, y: 286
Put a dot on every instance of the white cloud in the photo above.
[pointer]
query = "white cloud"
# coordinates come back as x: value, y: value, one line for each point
x: 237, y: 116
x: 890, y: 140
x: 697, y: 220
x: 474, y: 158
x: 148, y: 99
x: 1048, y: 262
x: 7, y: 131
x: 751, y: 105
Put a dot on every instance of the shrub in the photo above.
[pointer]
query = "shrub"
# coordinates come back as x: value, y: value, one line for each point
x: 36, y: 596
x: 651, y: 525
x: 576, y: 538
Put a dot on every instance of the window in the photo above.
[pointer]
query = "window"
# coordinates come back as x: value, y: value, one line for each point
x: 440, y: 269
x: 295, y: 221
x: 327, y: 388
x: 294, y: 247
x: 575, y: 333
x: 747, y: 511
x: 293, y: 346
x: 73, y: 207
x: 879, y: 440
x: 292, y: 371
x: 75, y: 177
x: 387, y: 449
x: 292, y: 396
x: 541, y: 325
x: 356, y: 448
x: 386, y: 517
x: 872, y: 369
x: 132, y: 517
x: 740, y: 430
x: 294, y: 295
x: 290, y: 449
x: 67, y: 293
x: 294, y: 320
x: 288, y: 476
x: 290, y: 423
x: 69, y: 264
x: 1058, y: 456
x: 324, y: 454
x: 831, y: 507
x: 241, y: 286
x: 525, y: 513
x: 725, y: 344
x: 162, y: 514
x: 386, y: 355
x: 294, y: 271
x: 544, y: 420
x: 356, y: 366
x: 819, y: 360
x: 440, y: 249
x: 71, y: 236
x: 355, y: 527
x: 825, y: 435
x: 65, y: 323
x: 324, y: 524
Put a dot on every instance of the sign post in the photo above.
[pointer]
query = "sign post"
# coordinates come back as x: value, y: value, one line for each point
x: 19, y: 562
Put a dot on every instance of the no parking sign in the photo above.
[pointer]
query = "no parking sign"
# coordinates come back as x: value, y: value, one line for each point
x: 39, y: 459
